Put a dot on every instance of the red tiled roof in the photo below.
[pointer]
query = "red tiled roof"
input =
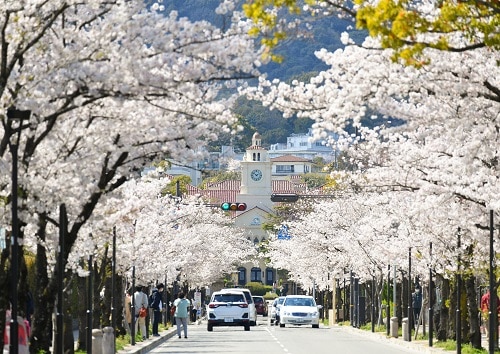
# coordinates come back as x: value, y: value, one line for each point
x: 229, y: 193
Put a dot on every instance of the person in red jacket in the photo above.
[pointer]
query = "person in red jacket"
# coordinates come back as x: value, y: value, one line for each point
x: 485, y: 309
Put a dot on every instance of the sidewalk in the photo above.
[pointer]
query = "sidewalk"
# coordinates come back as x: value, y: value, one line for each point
x: 417, y: 345
x: 150, y: 343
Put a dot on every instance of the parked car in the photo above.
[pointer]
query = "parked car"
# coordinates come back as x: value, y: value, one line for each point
x: 251, y: 304
x: 299, y: 310
x: 228, y: 309
x: 275, y: 309
x: 260, y: 305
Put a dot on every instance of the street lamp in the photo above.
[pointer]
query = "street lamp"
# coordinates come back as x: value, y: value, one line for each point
x: 15, y: 116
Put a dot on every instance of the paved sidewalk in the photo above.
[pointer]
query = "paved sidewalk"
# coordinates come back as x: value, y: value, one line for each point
x: 150, y: 343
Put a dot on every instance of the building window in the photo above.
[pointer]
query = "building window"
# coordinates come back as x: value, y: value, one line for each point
x: 242, y: 276
x: 256, y: 275
x: 285, y: 168
x: 269, y: 276
x: 303, y: 143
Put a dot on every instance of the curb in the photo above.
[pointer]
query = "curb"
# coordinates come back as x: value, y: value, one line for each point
x: 150, y: 343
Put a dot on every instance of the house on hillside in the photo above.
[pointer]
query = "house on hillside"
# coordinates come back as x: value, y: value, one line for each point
x: 303, y: 146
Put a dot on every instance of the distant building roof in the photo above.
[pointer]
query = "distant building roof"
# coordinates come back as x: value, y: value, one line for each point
x: 289, y: 158
x: 227, y: 191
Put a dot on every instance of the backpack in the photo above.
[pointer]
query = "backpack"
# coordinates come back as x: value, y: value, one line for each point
x: 151, y: 300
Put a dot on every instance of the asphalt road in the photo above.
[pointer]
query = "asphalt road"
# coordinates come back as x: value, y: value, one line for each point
x: 264, y: 338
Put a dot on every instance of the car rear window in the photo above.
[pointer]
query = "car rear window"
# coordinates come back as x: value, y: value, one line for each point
x: 228, y: 298
x: 258, y: 300
x: 248, y: 296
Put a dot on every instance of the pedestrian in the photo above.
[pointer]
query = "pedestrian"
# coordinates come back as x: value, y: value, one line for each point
x: 128, y: 309
x: 157, y: 306
x: 181, y: 314
x: 416, y: 303
x: 30, y: 306
x: 140, y: 302
x: 485, y: 310
x: 194, y: 310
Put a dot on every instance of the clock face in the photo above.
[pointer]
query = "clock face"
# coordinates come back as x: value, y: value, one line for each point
x: 256, y: 175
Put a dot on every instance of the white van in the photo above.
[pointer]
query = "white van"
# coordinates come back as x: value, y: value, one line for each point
x: 251, y: 304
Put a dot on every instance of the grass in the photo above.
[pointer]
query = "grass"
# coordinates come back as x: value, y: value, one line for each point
x: 451, y: 345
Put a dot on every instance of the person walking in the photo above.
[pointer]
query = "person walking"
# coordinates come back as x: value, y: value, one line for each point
x: 140, y: 301
x: 157, y: 306
x: 416, y: 303
x: 128, y: 309
x: 181, y: 314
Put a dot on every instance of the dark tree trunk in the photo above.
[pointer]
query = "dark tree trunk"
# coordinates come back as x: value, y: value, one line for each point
x: 70, y: 304
x: 120, y: 329
x: 443, y: 286
x: 82, y: 312
x: 41, y: 331
x: 474, y: 334
x: 399, y: 305
x: 403, y: 295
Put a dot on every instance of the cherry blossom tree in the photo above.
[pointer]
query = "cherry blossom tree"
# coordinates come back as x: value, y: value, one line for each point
x: 111, y: 86
x: 445, y: 154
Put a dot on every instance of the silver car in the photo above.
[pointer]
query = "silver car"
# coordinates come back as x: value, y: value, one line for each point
x: 299, y: 310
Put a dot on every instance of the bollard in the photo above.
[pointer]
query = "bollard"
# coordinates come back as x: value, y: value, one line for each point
x: 406, y: 335
x: 108, y: 341
x: 394, y: 327
x: 96, y: 341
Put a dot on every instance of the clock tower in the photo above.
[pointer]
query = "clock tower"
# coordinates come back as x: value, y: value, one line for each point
x: 256, y: 168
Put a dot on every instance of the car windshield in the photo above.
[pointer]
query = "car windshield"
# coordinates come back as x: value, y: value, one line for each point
x: 258, y: 300
x: 278, y: 301
x: 228, y: 298
x: 299, y: 302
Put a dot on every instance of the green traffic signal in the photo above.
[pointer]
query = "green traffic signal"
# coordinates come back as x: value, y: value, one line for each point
x: 226, y: 206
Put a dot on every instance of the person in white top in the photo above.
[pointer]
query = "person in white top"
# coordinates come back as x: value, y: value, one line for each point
x: 140, y: 300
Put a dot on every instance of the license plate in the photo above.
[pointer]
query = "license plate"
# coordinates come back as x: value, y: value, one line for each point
x: 228, y: 319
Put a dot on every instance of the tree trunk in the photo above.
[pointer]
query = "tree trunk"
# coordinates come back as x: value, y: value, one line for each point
x: 82, y: 312
x: 474, y: 316
x: 474, y: 334
x: 120, y: 289
x: 399, y: 305
x: 443, y: 287
x: 41, y: 331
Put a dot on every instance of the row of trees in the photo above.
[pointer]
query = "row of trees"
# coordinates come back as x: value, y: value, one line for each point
x: 112, y: 86
x: 435, y: 65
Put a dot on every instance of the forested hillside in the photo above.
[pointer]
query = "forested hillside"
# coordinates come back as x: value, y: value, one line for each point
x: 299, y: 62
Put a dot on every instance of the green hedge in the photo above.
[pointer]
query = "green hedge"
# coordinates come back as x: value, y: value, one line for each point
x: 258, y: 289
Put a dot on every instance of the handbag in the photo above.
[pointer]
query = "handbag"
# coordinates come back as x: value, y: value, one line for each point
x: 172, y: 311
x: 143, y: 312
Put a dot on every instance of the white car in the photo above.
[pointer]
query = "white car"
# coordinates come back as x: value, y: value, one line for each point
x: 228, y: 309
x: 299, y: 310
x: 275, y: 309
x: 251, y: 304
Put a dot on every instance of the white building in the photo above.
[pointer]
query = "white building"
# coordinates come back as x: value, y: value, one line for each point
x: 302, y: 145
